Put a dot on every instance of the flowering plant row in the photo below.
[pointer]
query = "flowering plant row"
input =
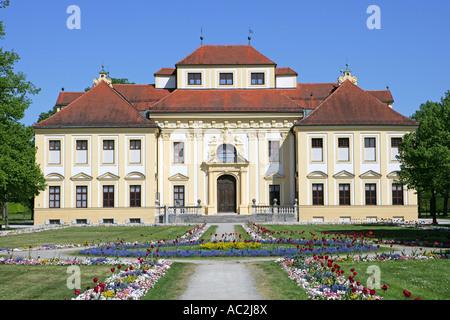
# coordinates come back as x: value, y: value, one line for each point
x: 56, y: 261
x: 230, y: 245
x: 131, y: 283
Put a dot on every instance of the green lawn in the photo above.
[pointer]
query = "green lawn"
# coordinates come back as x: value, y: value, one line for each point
x: 40, y: 282
x: 95, y: 235
x: 425, y: 279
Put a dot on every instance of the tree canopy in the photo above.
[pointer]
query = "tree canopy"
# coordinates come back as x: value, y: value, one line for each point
x: 20, y: 177
x: 425, y: 153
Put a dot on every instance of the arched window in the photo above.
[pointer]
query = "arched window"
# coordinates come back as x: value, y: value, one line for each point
x: 226, y: 153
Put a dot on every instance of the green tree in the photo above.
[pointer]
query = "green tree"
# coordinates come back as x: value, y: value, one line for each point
x: 425, y: 153
x: 20, y: 177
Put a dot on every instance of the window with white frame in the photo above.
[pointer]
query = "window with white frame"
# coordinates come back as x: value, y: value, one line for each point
x: 369, y: 149
x: 135, y: 151
x: 274, y: 151
x: 343, y: 149
x: 395, y: 141
x: 82, y: 151
x: 178, y: 152
x: 54, y: 150
x: 317, y: 149
x: 54, y: 196
x: 108, y: 151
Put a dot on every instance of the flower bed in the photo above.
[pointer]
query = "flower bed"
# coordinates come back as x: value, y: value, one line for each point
x: 131, y: 283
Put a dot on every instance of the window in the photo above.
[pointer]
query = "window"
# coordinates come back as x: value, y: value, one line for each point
x: 81, y: 153
x: 108, y: 151
x: 397, y: 194
x: 135, y: 196
x: 81, y: 197
x: 135, y: 151
x: 178, y: 196
x: 274, y: 151
x: 178, y: 152
x: 274, y: 193
x: 226, y: 78
x: 317, y: 149
x: 317, y: 193
x: 369, y: 149
x: 194, y: 78
x: 344, y: 194
x: 54, y: 197
x: 371, y: 194
x: 108, y: 196
x: 226, y: 153
x: 258, y: 78
x: 54, y: 151
x: 343, y: 149
x: 394, y: 148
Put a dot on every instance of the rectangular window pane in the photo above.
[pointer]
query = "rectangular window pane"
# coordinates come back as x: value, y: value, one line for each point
x: 274, y: 193
x: 371, y: 193
x: 226, y: 78
x: 274, y: 151
x: 257, y: 78
x: 178, y: 152
x: 397, y: 194
x: 195, y: 78
x: 135, y: 196
x: 81, y: 197
x: 54, y: 195
x: 317, y: 194
x: 108, y: 196
x: 178, y: 195
x: 317, y: 149
x: 344, y: 194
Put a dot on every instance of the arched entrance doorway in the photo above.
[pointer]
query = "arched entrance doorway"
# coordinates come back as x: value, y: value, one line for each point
x: 226, y: 194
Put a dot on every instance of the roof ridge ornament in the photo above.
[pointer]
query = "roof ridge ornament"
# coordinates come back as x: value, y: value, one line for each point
x: 103, y: 76
x: 347, y: 75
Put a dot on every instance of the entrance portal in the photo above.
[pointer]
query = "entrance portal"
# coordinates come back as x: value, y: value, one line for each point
x: 226, y: 194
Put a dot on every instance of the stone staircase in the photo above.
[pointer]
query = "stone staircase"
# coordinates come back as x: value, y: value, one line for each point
x: 229, y: 218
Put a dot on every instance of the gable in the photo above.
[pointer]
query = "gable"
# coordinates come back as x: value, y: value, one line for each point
x: 351, y: 105
x: 101, y: 106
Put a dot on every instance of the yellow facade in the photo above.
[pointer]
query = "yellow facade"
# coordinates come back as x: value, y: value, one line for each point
x: 218, y: 162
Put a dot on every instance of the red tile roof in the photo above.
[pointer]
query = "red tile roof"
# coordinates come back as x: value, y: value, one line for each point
x: 351, y: 105
x: 285, y: 71
x: 141, y: 96
x: 101, y: 106
x: 310, y: 95
x: 226, y: 55
x: 166, y: 72
x: 66, y: 97
x: 235, y: 100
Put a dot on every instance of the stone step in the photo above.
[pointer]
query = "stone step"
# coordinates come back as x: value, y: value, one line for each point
x: 229, y: 218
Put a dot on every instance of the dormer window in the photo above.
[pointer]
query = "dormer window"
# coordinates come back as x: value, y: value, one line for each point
x: 194, y: 78
x: 226, y: 78
x: 258, y: 78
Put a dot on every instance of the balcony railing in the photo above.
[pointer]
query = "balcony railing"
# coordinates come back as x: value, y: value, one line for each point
x: 275, y: 208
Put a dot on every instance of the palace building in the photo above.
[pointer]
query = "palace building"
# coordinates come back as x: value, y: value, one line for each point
x: 225, y: 132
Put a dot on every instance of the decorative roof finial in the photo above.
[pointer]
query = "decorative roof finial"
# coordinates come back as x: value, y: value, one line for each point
x: 201, y: 36
x: 347, y: 75
x: 249, y: 37
x: 103, y: 76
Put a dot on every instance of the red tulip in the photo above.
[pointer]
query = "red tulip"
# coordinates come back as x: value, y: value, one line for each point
x: 113, y: 269
x: 384, y: 287
x: 372, y: 292
x: 95, y: 279
x: 407, y: 293
x: 77, y: 292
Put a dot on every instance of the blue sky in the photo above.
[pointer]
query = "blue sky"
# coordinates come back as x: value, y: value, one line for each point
x: 134, y: 39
